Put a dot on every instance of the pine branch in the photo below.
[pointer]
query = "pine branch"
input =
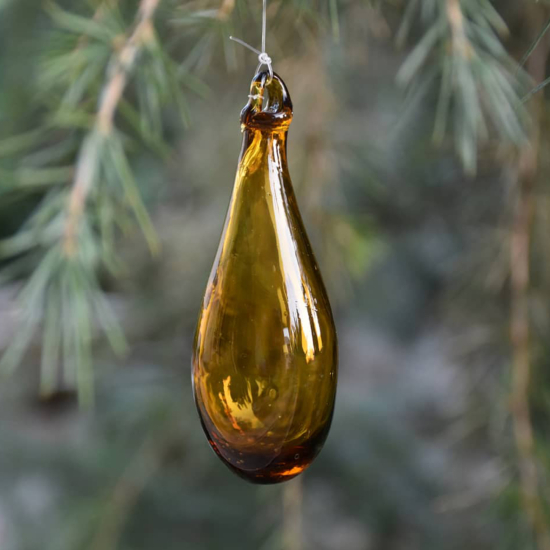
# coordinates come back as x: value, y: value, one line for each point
x: 520, y: 312
x: 521, y: 356
x: 225, y: 10
x: 89, y: 156
x: 70, y: 237
x: 460, y: 43
x: 534, y: 44
x: 292, y: 515
x: 537, y: 89
x: 479, y: 83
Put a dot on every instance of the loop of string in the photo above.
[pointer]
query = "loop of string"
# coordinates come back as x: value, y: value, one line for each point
x: 263, y: 57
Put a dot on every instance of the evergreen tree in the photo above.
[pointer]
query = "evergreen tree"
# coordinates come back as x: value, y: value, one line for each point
x: 109, y: 92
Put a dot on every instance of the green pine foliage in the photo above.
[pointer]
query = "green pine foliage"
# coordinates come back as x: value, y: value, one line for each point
x: 480, y: 86
x: 113, y: 84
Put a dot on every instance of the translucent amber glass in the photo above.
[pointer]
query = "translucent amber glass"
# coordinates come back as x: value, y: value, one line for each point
x: 265, y: 352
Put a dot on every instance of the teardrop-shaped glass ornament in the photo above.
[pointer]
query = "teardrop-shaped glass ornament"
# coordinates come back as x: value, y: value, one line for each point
x: 265, y: 352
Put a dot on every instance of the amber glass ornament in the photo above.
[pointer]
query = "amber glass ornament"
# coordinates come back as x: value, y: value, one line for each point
x: 265, y: 351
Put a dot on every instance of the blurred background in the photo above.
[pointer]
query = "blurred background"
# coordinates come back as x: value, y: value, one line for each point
x: 418, y: 153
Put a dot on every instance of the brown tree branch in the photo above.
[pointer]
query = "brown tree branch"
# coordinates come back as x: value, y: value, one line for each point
x: 292, y: 515
x: 460, y: 43
x: 520, y: 319
x: 87, y: 163
x: 225, y: 10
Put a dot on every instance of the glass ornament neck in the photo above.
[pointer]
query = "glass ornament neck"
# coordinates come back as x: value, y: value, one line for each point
x: 269, y: 107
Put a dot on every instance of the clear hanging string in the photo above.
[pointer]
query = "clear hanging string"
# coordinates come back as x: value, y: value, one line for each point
x: 263, y: 57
